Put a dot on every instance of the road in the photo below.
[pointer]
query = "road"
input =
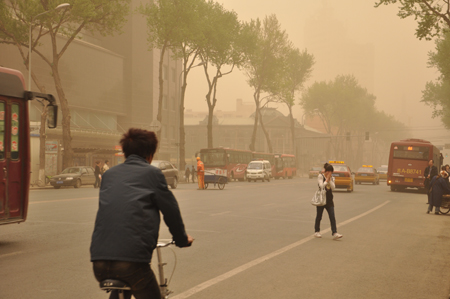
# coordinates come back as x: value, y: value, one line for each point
x: 252, y: 240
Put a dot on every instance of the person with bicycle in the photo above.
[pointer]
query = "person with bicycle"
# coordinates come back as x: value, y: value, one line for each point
x: 132, y: 195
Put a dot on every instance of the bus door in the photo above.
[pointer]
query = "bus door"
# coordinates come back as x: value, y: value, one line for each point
x: 13, y: 184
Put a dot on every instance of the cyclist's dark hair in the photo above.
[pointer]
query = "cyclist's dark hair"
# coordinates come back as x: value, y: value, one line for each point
x: 139, y: 142
x: 328, y: 167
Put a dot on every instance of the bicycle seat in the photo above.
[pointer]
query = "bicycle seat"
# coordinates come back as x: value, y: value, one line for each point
x: 114, y: 284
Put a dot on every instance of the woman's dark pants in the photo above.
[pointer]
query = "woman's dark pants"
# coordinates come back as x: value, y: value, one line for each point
x: 330, y: 211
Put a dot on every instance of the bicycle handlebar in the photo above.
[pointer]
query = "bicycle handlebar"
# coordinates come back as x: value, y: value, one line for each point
x: 165, y: 243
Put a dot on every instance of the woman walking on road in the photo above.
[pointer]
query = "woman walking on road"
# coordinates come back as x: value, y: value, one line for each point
x: 326, y: 181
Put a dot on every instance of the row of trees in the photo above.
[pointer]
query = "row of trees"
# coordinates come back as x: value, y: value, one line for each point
x: 345, y: 108
x: 433, y: 23
x: 203, y: 32
x: 104, y: 17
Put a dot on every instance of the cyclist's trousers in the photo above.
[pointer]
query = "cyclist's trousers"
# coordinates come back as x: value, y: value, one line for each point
x: 139, y: 276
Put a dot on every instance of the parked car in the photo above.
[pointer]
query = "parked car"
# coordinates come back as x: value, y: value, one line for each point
x: 259, y: 170
x: 314, y: 172
x: 170, y: 172
x: 74, y: 176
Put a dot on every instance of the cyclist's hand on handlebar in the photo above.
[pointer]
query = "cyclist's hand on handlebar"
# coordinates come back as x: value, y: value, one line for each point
x: 190, y: 240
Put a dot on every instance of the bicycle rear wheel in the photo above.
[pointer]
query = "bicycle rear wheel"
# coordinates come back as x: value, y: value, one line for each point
x: 221, y: 183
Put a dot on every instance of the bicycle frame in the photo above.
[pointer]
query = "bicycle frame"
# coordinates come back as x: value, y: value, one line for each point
x: 165, y: 292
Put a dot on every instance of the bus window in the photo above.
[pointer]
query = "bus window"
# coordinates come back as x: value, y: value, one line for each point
x: 2, y: 131
x: 15, y: 132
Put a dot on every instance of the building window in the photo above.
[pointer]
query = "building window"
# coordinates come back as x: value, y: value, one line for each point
x: 174, y: 103
x: 166, y: 72
x: 174, y: 75
x: 164, y: 102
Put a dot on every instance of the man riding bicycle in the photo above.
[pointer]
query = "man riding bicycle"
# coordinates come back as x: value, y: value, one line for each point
x: 132, y: 195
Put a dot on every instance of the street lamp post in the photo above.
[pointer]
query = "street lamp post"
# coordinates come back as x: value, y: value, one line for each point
x: 179, y: 113
x: 63, y: 5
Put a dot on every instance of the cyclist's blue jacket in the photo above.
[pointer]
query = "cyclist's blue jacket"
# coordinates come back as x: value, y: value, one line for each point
x: 132, y: 195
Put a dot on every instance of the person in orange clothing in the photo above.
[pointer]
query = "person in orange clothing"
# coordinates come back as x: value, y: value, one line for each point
x: 200, y: 174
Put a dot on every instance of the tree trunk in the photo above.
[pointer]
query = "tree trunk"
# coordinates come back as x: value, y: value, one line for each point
x: 294, y: 145
x: 255, y: 124
x: 67, y: 137
x: 182, y: 140
x: 266, y: 133
x: 210, y: 125
x: 161, y: 93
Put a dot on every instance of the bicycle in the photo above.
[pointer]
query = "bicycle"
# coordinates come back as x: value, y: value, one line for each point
x: 110, y: 285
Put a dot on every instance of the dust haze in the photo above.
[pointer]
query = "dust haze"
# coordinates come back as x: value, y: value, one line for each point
x: 346, y: 37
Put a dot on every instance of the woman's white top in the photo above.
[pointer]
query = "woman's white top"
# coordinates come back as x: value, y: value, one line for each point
x: 323, y: 185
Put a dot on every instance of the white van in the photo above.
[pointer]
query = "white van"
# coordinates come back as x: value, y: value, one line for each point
x: 259, y: 170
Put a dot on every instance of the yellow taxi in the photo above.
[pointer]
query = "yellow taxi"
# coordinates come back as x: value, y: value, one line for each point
x: 382, y: 172
x: 342, y: 175
x: 367, y: 174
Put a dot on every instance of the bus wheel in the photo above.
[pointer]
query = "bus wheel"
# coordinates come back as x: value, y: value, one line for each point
x: 77, y: 184
x: 57, y: 187
x: 393, y: 189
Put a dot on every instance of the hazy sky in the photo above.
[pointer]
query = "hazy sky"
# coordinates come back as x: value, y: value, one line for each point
x: 400, y: 62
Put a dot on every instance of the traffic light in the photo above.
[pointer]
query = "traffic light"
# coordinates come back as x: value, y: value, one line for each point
x: 367, y: 137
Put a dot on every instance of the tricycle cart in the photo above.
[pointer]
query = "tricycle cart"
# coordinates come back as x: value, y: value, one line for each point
x: 445, y: 205
x: 213, y: 178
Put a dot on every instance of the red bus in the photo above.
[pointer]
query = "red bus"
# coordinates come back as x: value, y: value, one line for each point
x: 15, y: 144
x: 407, y: 162
x: 285, y: 166
x: 225, y: 161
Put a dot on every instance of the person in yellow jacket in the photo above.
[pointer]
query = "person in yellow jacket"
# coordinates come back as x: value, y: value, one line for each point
x: 200, y: 174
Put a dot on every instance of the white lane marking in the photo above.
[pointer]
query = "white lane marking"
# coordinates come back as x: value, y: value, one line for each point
x: 11, y: 254
x: 235, y: 271
x: 222, y: 213
x: 62, y: 200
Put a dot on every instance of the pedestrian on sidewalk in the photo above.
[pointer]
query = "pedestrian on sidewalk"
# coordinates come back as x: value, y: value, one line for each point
x: 187, y: 174
x: 438, y: 187
x: 193, y: 172
x: 97, y: 174
x: 326, y: 181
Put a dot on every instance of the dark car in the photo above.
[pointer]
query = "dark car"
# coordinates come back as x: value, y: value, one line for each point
x: 169, y: 171
x: 74, y: 176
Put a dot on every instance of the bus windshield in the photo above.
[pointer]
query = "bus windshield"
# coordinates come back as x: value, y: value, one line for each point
x: 412, y: 152
x: 213, y: 159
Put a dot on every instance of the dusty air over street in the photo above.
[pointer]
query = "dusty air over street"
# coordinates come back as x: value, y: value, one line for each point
x: 224, y: 149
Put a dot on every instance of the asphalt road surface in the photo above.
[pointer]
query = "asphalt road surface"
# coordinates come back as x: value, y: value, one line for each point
x: 252, y: 240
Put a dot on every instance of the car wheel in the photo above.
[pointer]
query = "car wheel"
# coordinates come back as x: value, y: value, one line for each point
x: 262, y: 180
x: 249, y: 180
x: 57, y: 187
x: 268, y: 179
x: 77, y: 184
x: 175, y: 183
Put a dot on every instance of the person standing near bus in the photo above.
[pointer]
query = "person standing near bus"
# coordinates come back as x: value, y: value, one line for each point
x: 438, y: 187
x: 132, y: 196
x: 429, y: 173
x: 200, y: 174
x: 326, y: 181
